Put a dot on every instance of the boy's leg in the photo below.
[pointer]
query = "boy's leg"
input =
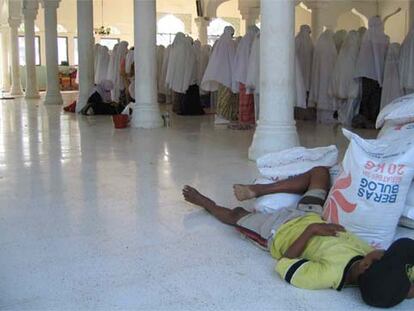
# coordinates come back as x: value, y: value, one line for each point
x: 316, y: 178
x: 225, y: 215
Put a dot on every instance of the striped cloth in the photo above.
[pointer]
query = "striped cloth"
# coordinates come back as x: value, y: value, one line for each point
x: 227, y: 104
x: 246, y: 107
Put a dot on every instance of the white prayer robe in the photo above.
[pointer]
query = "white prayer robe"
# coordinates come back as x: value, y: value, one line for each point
x: 304, y: 54
x: 391, y: 88
x: 253, y: 69
x: 407, y: 63
x: 324, y: 59
x: 345, y: 88
x: 339, y: 38
x: 220, y: 66
x: 373, y: 51
x: 182, y: 69
x: 241, y: 59
x: 103, y: 64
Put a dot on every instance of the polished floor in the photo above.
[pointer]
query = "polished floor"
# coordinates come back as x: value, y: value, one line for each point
x: 91, y: 218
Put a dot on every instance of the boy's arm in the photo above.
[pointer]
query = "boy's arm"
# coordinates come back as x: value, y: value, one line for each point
x: 297, y: 248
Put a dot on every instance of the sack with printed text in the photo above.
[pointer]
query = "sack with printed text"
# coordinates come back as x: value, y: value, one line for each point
x: 391, y: 131
x: 399, y: 111
x: 369, y: 196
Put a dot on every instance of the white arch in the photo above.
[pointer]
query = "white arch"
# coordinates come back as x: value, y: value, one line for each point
x: 217, y: 26
x: 170, y: 24
x: 361, y: 16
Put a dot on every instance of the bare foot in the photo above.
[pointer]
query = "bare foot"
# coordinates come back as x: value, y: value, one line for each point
x: 193, y: 196
x: 244, y: 192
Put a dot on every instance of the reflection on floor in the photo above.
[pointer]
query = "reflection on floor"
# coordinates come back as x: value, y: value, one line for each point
x: 92, y: 217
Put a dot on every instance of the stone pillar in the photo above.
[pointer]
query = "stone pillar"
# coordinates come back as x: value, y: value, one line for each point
x: 202, y: 25
x: 16, y: 87
x: 53, y: 96
x: 317, y: 26
x: 5, y: 58
x: 146, y: 113
x: 276, y: 128
x: 250, y: 16
x: 30, y: 12
x: 85, y: 49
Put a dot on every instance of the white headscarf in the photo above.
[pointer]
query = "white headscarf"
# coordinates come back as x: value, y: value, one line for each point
x: 103, y: 63
x: 117, y: 79
x: 96, y: 55
x: 324, y: 58
x: 391, y: 88
x: 220, y: 66
x: 241, y: 59
x: 160, y: 60
x: 407, y: 62
x: 253, y: 70
x: 111, y: 66
x: 182, y: 70
x: 339, y: 38
x: 129, y: 60
x: 167, y: 52
x: 344, y: 85
x: 104, y: 89
x: 373, y: 51
x: 304, y: 53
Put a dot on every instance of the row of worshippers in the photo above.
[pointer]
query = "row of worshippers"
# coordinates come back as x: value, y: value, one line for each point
x: 114, y: 86
x: 180, y: 69
x: 352, y: 81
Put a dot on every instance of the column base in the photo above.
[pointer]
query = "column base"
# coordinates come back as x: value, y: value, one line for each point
x: 272, y: 138
x: 53, y: 99
x: 33, y: 95
x: 146, y: 116
x: 16, y: 91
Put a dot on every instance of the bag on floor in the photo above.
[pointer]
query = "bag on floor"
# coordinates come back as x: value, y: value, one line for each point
x: 291, y: 162
x: 399, y: 111
x: 369, y: 196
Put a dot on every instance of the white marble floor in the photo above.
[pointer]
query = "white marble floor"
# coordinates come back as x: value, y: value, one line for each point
x: 91, y: 218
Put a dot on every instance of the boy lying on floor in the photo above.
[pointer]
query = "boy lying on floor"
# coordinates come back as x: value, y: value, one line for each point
x: 313, y: 254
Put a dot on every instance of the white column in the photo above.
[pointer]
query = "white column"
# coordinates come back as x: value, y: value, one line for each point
x: 5, y: 58
x: 276, y: 128
x: 250, y: 16
x: 146, y: 113
x: 202, y: 26
x: 30, y: 12
x: 53, y: 96
x: 85, y: 50
x: 317, y: 26
x: 16, y: 87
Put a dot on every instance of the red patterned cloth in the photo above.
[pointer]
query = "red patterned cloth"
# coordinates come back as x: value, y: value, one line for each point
x: 246, y: 107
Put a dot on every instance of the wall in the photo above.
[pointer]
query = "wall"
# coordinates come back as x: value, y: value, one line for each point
x: 349, y: 21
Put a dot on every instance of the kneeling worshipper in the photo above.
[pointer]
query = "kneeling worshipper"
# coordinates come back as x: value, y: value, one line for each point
x: 407, y: 63
x: 324, y: 59
x: 345, y: 88
x: 391, y: 88
x: 182, y: 77
x: 218, y: 76
x: 100, y: 101
x: 370, y: 68
x: 241, y: 62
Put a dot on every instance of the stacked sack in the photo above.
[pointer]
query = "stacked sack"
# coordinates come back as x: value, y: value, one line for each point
x: 396, y: 121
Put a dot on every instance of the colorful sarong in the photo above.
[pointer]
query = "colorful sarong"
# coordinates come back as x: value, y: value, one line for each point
x: 227, y: 104
x: 246, y: 107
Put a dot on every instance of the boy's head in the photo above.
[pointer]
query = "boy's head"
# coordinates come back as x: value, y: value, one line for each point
x: 385, y: 283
